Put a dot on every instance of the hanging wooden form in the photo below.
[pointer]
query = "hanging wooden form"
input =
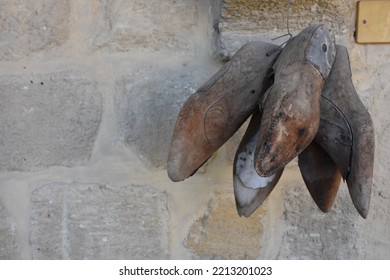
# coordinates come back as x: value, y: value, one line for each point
x: 250, y: 189
x: 217, y: 110
x: 373, y: 22
x: 303, y: 103
x: 292, y: 104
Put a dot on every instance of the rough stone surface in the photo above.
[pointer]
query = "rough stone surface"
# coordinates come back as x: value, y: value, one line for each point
x: 375, y: 233
x: 382, y: 125
x: 147, y: 104
x: 311, y: 234
x: 92, y: 221
x: 221, y: 234
x: 8, y: 244
x: 267, y: 16
x: 31, y: 26
x: 144, y: 58
x: 67, y: 108
x: 150, y: 24
x: 246, y: 20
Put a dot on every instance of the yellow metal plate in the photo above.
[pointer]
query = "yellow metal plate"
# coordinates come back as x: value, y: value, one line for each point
x: 373, y: 22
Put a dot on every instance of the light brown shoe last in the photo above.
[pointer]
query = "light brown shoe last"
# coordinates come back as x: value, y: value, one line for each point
x: 214, y: 113
x: 292, y: 105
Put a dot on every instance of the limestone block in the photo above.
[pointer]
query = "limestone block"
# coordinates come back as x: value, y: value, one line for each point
x: 375, y: 234
x: 381, y: 121
x: 151, y: 24
x: 246, y: 20
x: 221, y: 234
x: 8, y: 244
x: 31, y: 26
x: 92, y: 221
x: 311, y: 234
x: 47, y: 119
x: 147, y: 104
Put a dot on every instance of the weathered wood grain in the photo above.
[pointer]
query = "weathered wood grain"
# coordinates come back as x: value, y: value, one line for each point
x: 292, y: 104
x: 250, y: 189
x: 326, y: 160
x: 321, y: 175
x: 214, y: 113
x: 334, y: 135
x: 339, y: 89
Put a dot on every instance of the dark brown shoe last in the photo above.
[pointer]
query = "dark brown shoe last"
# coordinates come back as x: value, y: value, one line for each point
x: 250, y: 189
x: 321, y: 175
x: 340, y: 91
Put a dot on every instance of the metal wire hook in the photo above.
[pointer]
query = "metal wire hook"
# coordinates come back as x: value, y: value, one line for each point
x: 284, y: 35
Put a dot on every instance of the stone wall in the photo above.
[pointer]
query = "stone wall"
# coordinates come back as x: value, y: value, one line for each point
x: 90, y: 91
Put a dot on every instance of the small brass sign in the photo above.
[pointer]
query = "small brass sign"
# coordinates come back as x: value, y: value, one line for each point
x: 373, y: 22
